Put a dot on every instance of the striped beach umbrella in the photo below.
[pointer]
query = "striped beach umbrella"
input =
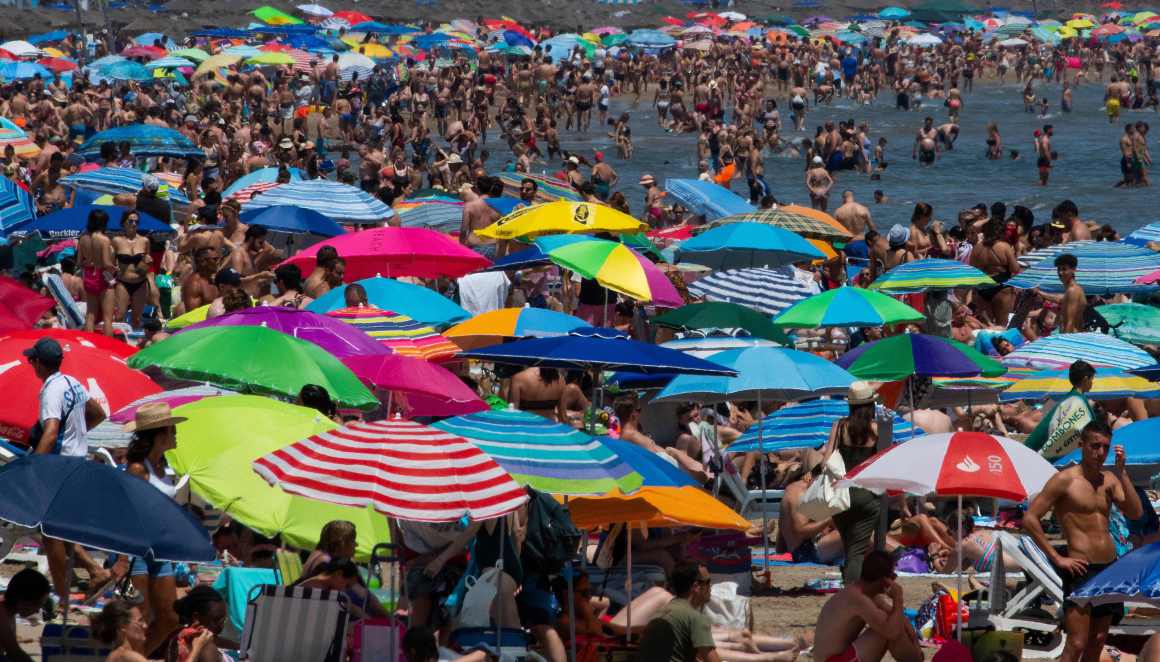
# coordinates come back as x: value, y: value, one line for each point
x: 351, y: 63
x: 846, y: 307
x: 1109, y: 384
x: 739, y: 245
x: 172, y: 62
x: 342, y: 202
x: 930, y: 274
x: 403, y: 469
x: 144, y: 140
x: 399, y: 333
x: 768, y: 291
x: 259, y: 176
x: 548, y: 189
x: 16, y: 206
x: 11, y: 134
x: 1141, y: 236
x: 431, y: 213
x: 787, y: 218
x: 120, y: 180
x: 1104, y: 267
x: 1060, y: 351
x: 415, y: 301
x: 805, y: 425
x: 543, y: 454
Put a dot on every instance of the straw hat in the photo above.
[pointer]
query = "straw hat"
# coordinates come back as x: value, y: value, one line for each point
x: 647, y: 180
x: 153, y: 415
x: 861, y: 393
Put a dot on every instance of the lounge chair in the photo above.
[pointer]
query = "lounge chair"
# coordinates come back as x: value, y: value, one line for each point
x: 750, y: 503
x: 70, y: 313
x: 70, y: 643
x: 1022, y: 610
x: 294, y: 623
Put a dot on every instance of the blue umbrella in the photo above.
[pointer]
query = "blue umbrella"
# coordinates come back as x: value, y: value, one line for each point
x: 71, y: 221
x: 341, y: 202
x: 1138, y: 440
x: 707, y: 199
x: 1105, y: 267
x: 1133, y: 578
x: 97, y: 506
x: 655, y: 471
x: 114, y: 181
x: 646, y: 38
x: 434, y: 213
x: 16, y: 206
x: 293, y: 219
x: 894, y: 13
x: 259, y: 176
x: 144, y: 140
x: 24, y: 71
x: 514, y: 38
x: 768, y: 291
x: 419, y: 303
x: 804, y: 425
x: 747, y: 245
x: 221, y: 33
x: 762, y: 373
x: 171, y: 62
x: 374, y: 27
x: 47, y: 37
x: 428, y: 41
x: 127, y: 70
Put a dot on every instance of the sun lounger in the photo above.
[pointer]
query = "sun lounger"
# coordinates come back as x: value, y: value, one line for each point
x: 750, y: 503
x: 70, y: 643
x: 294, y: 623
x: 69, y: 312
x: 1023, y: 609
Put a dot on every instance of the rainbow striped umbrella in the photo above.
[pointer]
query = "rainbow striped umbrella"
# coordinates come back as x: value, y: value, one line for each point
x: 1109, y: 384
x: 548, y: 189
x: 930, y: 274
x: 805, y: 425
x: 613, y: 265
x: 401, y: 334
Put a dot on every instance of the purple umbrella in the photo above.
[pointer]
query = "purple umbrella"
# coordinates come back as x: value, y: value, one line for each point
x: 820, y: 18
x: 333, y: 335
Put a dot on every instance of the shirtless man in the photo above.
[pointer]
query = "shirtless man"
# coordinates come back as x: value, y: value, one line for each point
x: 326, y: 267
x: 1073, y: 301
x: 819, y: 182
x: 925, y: 143
x: 477, y: 215
x: 1081, y: 497
x: 1043, y: 153
x: 864, y: 621
x: 1128, y: 156
x: 856, y: 217
x: 198, y: 289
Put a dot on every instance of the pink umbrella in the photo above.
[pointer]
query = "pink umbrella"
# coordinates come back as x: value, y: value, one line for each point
x: 429, y: 389
x: 395, y: 252
x: 1149, y: 279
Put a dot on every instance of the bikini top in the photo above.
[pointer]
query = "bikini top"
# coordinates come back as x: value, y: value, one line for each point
x: 130, y: 258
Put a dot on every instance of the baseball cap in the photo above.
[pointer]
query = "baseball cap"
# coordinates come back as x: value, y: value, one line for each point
x: 228, y: 276
x: 45, y: 350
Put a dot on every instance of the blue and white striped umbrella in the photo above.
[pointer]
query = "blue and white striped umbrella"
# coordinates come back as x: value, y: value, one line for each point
x: 1060, y: 351
x: 1142, y: 236
x: 805, y: 425
x: 707, y: 199
x: 127, y: 70
x: 259, y: 176
x: 171, y: 62
x: 116, y: 180
x: 16, y: 206
x: 646, y: 38
x: 1105, y: 267
x: 768, y: 291
x: 244, y: 50
x: 144, y: 140
x: 342, y: 202
x: 444, y: 216
x: 351, y: 63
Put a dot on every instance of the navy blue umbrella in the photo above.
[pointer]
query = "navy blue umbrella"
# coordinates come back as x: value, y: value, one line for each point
x: 529, y: 257
x: 285, y: 218
x: 97, y: 506
x: 70, y: 222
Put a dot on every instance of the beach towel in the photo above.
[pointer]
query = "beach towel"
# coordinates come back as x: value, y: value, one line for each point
x: 1058, y: 433
x: 236, y: 585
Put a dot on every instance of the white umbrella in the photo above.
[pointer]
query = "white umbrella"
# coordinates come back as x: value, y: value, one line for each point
x: 1013, y: 42
x: 1015, y: 19
x: 21, y: 48
x: 350, y: 63
x: 315, y: 10
x: 736, y: 17
x: 924, y: 40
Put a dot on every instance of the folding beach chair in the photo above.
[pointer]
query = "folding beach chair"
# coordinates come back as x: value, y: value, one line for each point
x: 294, y: 623
x: 69, y: 312
x: 1023, y: 609
x: 750, y: 503
x: 70, y: 643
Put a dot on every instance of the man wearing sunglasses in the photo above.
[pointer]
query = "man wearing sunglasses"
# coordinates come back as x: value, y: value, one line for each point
x: 681, y: 632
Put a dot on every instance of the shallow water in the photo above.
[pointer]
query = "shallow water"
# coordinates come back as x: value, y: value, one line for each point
x: 1087, y: 168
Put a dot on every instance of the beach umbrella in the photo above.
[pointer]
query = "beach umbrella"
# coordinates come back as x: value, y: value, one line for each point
x: 707, y: 199
x: 739, y: 245
x: 111, y: 433
x: 655, y: 507
x: 260, y: 176
x: 341, y: 202
x: 87, y: 339
x: 893, y: 13
x: 195, y: 54
x: 401, y: 468
x: 20, y: 48
x: 271, y: 16
x: 1139, y: 442
x: 721, y: 315
x: 71, y: 221
x: 341, y: 340
x: 393, y: 251
x: 118, y: 180
x: 1109, y: 384
x: 144, y: 140
x: 543, y: 454
x: 646, y: 38
x: 1105, y: 267
x: 561, y: 217
x: 548, y: 189
x: 104, y: 375
x: 613, y: 265
x: 216, y: 452
x: 398, y: 333
x: 1136, y: 323
x: 930, y: 274
x: 762, y: 373
x: 16, y: 206
x: 10, y: 71
x: 804, y: 425
x: 99, y: 506
x: 315, y: 10
x: 1142, y: 236
x: 414, y: 301
x: 294, y: 220
x: 351, y: 63
x: 20, y: 307
x: 427, y: 389
x: 1014, y: 42
x: 11, y: 134
x: 497, y: 326
x: 898, y: 357
x: 268, y: 58
x: 1134, y: 577
x: 254, y: 359
x: 787, y: 217
x: 768, y: 291
x: 172, y: 62
x: 431, y: 213
x: 215, y: 63
x: 846, y: 307
x: 148, y: 52
x: 57, y: 65
x: 924, y: 40
x: 1060, y: 351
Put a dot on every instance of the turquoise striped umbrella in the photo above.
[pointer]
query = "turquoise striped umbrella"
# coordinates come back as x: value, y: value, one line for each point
x: 1104, y: 267
x: 1059, y: 352
x: 930, y: 274
x: 543, y: 454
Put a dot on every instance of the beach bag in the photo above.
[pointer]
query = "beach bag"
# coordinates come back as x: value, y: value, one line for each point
x: 911, y: 559
x: 481, y: 592
x: 552, y: 539
x: 823, y: 498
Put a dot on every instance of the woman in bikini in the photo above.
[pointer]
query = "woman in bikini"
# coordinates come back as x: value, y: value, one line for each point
x: 98, y: 271
x: 131, y: 251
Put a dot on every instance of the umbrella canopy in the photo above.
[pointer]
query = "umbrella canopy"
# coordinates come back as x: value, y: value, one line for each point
x: 707, y: 199
x: 70, y: 222
x: 195, y: 54
x: 434, y: 214
x: 398, y: 333
x: 545, y: 455
x: 271, y: 16
x: 294, y: 220
x: 1141, y: 236
x: 762, y: 373
x: 1059, y: 352
x: 315, y: 10
x: 561, y: 217
x: 95, y: 505
x: 216, y: 452
x: 898, y: 357
x: 260, y: 176
x: 846, y: 307
x: 721, y: 315
x: 172, y: 62
x: 1139, y: 442
x: 548, y: 189
x: 613, y: 265
x: 930, y: 274
x: 427, y: 389
x: 956, y: 464
x: 144, y: 140
x: 401, y: 468
x: 414, y: 301
x: 496, y: 326
x: 1134, y: 577
x: 804, y: 425
x: 738, y: 245
x: 340, y: 202
x: 768, y: 291
x: 11, y: 134
x: 341, y: 340
x: 16, y: 206
x: 127, y: 70
x: 118, y: 180
x: 656, y: 507
x: 1136, y: 323
x: 1105, y: 267
x: 70, y: 337
x: 789, y: 218
x: 21, y: 307
x: 893, y: 13
x: 254, y: 359
x: 392, y: 251
x: 1109, y: 384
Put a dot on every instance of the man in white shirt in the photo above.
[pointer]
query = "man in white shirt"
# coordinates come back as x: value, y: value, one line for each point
x: 484, y: 292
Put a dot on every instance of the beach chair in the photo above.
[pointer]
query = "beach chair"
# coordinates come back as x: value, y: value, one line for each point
x: 70, y: 643
x: 750, y: 503
x: 71, y: 314
x: 288, y: 566
x: 294, y: 623
x: 1023, y: 610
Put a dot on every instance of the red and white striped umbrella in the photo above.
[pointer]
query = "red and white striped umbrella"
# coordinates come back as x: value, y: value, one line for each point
x: 402, y: 468
x: 956, y: 463
x: 244, y: 194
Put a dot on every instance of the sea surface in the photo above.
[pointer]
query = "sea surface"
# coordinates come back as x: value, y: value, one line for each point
x: 1086, y: 171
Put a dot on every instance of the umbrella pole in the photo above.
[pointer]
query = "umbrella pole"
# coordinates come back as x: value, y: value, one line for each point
x: 572, y: 596
x: 959, y: 575
x: 498, y: 597
x: 764, y: 506
x: 628, y: 586
x: 913, y: 406
x: 604, y: 309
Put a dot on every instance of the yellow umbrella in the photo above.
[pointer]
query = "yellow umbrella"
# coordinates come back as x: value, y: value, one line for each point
x: 215, y: 62
x: 375, y: 51
x: 1067, y: 32
x: 53, y: 52
x: 192, y: 317
x: 271, y: 57
x: 1079, y: 23
x: 1142, y: 17
x: 656, y: 506
x: 561, y: 217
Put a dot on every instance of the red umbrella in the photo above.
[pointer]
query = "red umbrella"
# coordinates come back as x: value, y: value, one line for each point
x: 69, y: 336
x: 20, y: 307
x: 105, y: 376
x: 151, y: 52
x: 395, y: 252
x: 57, y: 64
x: 431, y: 390
x: 352, y: 17
x: 672, y: 20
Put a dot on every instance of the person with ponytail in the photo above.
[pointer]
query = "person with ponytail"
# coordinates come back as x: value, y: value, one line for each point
x: 201, y: 612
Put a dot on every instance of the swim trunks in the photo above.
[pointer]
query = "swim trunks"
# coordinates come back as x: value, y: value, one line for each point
x: 1072, y: 582
x: 848, y: 655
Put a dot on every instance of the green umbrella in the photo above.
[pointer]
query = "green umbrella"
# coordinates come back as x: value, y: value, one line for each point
x: 224, y: 435
x: 254, y: 359
x: 901, y: 356
x: 721, y: 315
x: 846, y: 307
x: 640, y: 242
x: 195, y: 54
x: 1134, y: 322
x: 614, y: 39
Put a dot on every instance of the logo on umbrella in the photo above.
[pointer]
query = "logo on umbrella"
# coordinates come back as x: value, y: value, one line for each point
x: 580, y: 214
x: 967, y: 465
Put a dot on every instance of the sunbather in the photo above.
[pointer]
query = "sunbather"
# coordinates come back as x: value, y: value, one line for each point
x: 24, y: 596
x: 122, y: 626
x: 864, y: 620
x: 806, y: 541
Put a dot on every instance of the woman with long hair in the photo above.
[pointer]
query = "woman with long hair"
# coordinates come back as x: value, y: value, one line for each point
x: 131, y: 250
x: 855, y: 437
x: 122, y: 626
x: 98, y: 271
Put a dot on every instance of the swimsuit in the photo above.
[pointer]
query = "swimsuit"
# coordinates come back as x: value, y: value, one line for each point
x: 1072, y: 582
x: 95, y: 281
x: 848, y: 655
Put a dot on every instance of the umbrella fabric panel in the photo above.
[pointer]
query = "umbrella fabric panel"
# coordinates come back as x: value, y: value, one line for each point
x: 1059, y: 352
x: 806, y: 425
x: 116, y: 180
x: 707, y: 199
x: 769, y: 291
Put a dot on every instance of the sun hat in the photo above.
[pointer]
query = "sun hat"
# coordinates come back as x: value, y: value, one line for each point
x: 647, y: 180
x: 898, y: 235
x: 151, y: 416
x: 286, y: 143
x: 861, y: 393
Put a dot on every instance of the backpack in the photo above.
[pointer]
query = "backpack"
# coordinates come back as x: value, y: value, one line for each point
x: 552, y: 539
